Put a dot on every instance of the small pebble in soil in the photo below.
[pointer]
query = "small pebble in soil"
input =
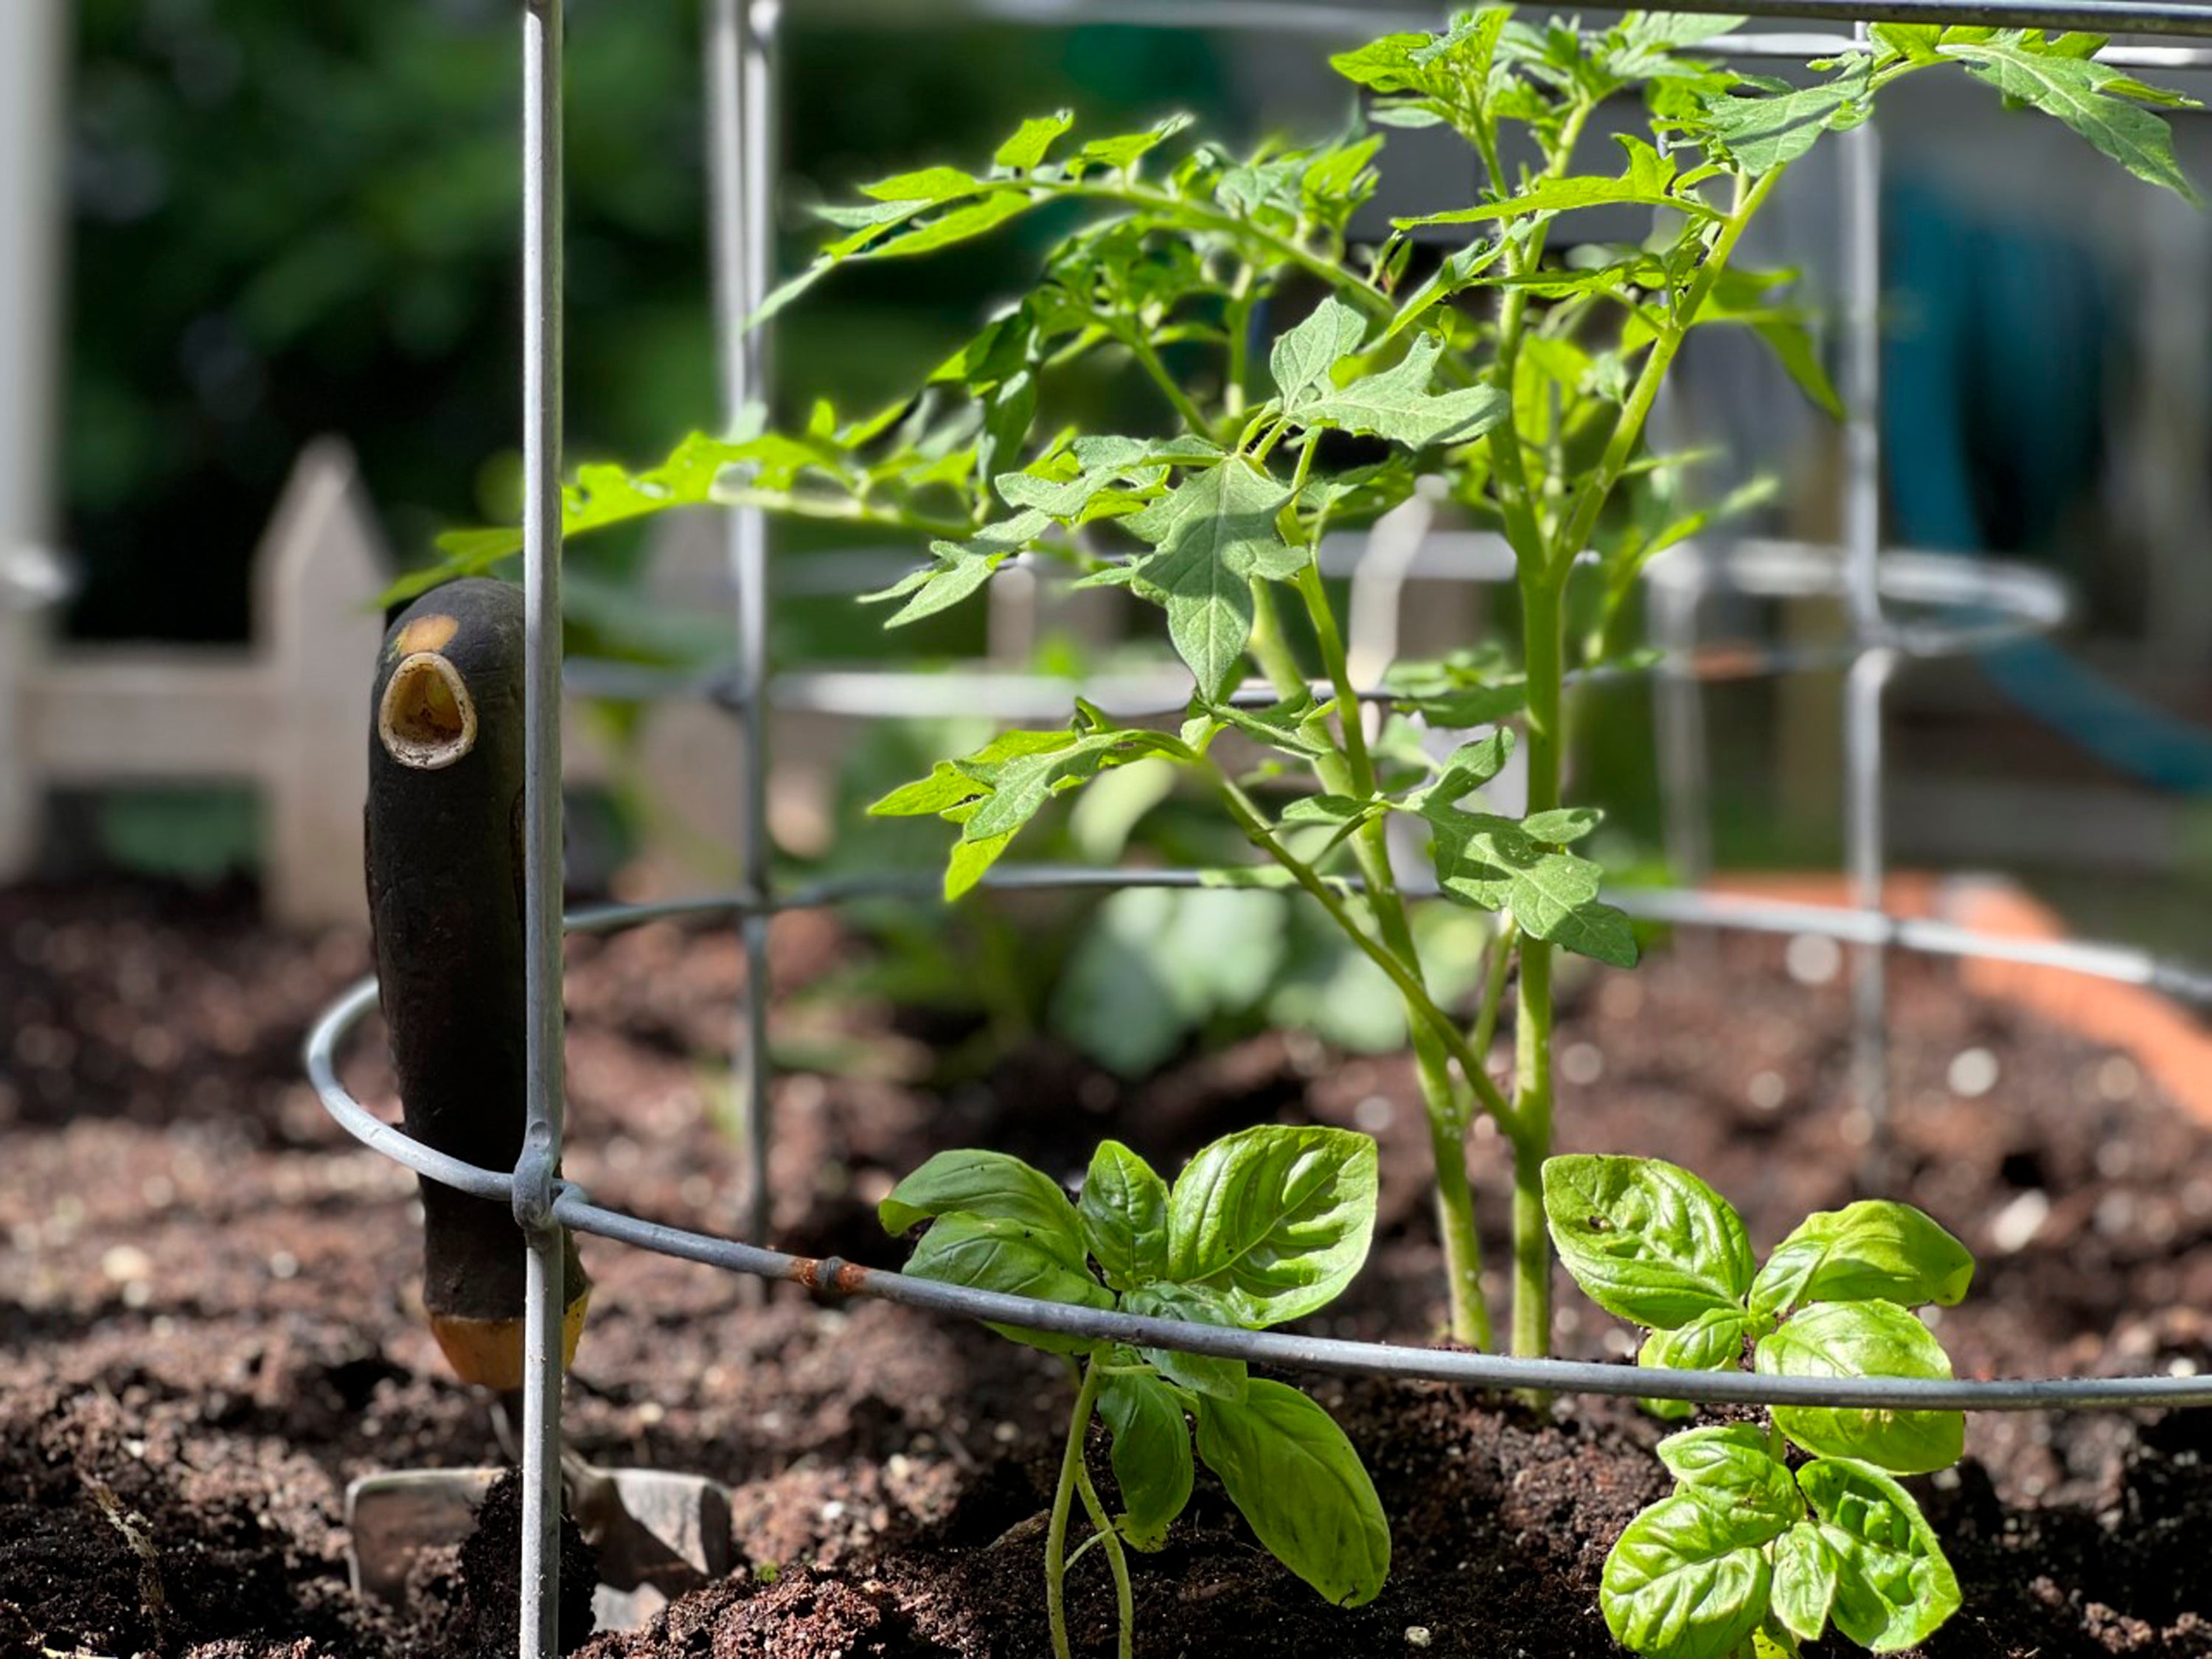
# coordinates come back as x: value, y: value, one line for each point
x: 1973, y: 1073
x: 1813, y: 958
x: 1766, y: 1090
x: 125, y: 1264
x: 1374, y: 1114
x: 1419, y: 1636
x: 2014, y: 1228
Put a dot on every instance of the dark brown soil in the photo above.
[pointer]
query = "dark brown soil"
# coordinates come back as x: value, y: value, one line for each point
x: 209, y: 1318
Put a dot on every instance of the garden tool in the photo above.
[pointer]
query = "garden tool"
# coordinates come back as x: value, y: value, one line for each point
x: 445, y: 835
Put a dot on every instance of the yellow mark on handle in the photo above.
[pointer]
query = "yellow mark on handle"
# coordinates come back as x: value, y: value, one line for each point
x: 489, y: 1351
x: 433, y: 632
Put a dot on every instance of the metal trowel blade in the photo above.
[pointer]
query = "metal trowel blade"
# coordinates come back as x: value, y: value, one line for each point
x: 656, y: 1535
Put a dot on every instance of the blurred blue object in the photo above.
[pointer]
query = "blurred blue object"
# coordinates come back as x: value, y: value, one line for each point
x: 1991, y: 417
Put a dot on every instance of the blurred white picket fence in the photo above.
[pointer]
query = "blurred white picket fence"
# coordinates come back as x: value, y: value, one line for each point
x: 287, y: 713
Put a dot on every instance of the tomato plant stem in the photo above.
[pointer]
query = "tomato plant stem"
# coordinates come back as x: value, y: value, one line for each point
x: 1543, y: 647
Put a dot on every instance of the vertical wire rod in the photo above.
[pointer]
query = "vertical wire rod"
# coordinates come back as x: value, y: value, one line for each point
x: 740, y: 131
x: 1863, y: 705
x: 546, y: 1282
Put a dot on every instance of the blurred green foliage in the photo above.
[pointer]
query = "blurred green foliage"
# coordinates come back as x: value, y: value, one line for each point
x: 292, y: 220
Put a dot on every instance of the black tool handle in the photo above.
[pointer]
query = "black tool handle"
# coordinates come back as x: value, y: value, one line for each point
x: 445, y: 896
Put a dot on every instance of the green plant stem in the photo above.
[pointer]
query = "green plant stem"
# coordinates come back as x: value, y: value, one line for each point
x: 1597, y: 489
x: 1117, y: 1561
x: 1544, y: 647
x: 1448, y: 1113
x: 842, y: 510
x: 1249, y: 820
x: 1055, y: 1543
x: 1493, y: 987
x: 1517, y: 501
x: 1149, y: 359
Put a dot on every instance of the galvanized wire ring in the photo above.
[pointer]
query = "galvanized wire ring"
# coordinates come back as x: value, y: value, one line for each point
x: 1990, y: 603
x: 573, y: 1208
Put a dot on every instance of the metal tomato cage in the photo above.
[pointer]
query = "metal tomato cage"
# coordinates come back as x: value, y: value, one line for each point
x: 1976, y: 603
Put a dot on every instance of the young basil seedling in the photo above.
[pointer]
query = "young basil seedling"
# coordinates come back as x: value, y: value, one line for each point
x: 1262, y: 1226
x: 1460, y: 346
x: 1749, y: 1558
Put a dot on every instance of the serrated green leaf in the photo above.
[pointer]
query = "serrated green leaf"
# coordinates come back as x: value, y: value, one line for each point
x: 1893, y: 1587
x: 2093, y: 99
x: 1326, y: 808
x: 1032, y: 140
x: 1152, y: 1456
x: 947, y: 786
x: 1218, y: 1379
x: 987, y: 1183
x: 1768, y: 132
x: 995, y: 1253
x: 1685, y: 1579
x: 1214, y: 534
x: 967, y: 863
x: 1474, y: 705
x: 1396, y: 403
x: 1805, y: 1573
x: 1273, y: 1221
x: 1122, y: 149
x: 1493, y: 864
x: 1123, y: 1210
x: 1867, y: 1251
x: 1645, y: 1240
x: 1731, y: 1467
x: 1650, y: 182
x: 1300, y: 1487
x: 1863, y: 1339
x: 1303, y: 356
x: 1282, y: 725
x: 1562, y: 824
x: 928, y: 185
x: 1914, y: 42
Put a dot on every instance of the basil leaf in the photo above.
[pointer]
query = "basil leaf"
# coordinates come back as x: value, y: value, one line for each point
x: 1273, y: 1221
x: 1892, y: 1585
x: 1863, y: 1339
x: 1224, y: 1379
x: 994, y: 1253
x: 1152, y: 1455
x: 1684, y: 1579
x: 1300, y: 1486
x: 1866, y: 1252
x: 1124, y: 1215
x: 1645, y: 1240
x: 1732, y: 1468
x: 977, y: 1183
x: 1805, y: 1569
x: 1713, y: 1341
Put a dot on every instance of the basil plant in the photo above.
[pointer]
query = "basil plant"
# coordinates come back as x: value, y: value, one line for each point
x: 1262, y: 1226
x: 1775, y: 1531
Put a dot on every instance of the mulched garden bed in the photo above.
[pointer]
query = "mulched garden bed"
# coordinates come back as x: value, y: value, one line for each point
x: 208, y: 1318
